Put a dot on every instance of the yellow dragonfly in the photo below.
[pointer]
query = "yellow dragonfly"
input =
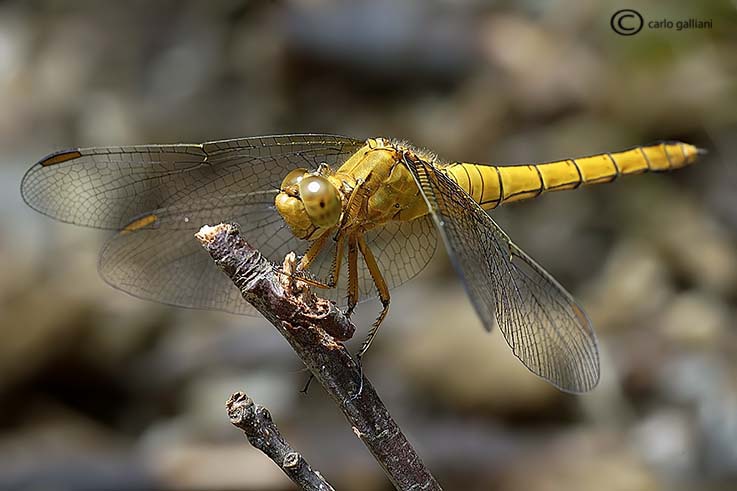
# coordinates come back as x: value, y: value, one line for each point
x: 332, y: 199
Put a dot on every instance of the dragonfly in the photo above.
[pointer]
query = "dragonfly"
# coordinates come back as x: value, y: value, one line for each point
x: 364, y: 216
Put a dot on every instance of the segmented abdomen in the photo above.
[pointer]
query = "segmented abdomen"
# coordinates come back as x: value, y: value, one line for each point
x: 491, y: 185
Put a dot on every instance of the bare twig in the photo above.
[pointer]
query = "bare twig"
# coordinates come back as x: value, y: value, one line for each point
x: 256, y: 423
x: 313, y: 326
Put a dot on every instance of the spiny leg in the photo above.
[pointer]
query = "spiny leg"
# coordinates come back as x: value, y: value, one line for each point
x: 352, y: 273
x: 373, y: 267
x: 355, y: 204
x: 313, y: 251
x: 334, y: 267
x: 381, y: 286
x: 353, y: 297
x: 337, y: 259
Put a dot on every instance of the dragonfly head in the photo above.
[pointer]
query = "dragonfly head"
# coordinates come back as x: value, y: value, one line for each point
x: 309, y: 203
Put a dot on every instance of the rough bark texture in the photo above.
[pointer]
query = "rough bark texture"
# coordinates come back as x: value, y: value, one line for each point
x: 262, y: 432
x: 314, y: 327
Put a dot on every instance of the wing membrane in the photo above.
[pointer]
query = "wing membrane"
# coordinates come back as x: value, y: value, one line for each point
x: 162, y: 261
x: 107, y: 187
x: 540, y: 320
x: 157, y: 196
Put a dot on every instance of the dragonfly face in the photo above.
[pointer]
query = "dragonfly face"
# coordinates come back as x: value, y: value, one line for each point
x: 366, y: 220
x: 309, y: 202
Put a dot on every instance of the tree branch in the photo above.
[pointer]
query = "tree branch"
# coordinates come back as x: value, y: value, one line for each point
x: 256, y: 423
x: 313, y: 326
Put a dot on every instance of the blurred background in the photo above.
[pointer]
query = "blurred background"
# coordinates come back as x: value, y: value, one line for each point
x: 99, y: 390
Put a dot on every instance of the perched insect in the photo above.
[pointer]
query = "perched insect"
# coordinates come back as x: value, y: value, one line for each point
x: 333, y: 199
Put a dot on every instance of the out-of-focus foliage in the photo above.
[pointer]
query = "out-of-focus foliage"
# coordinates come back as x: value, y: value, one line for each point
x: 102, y: 391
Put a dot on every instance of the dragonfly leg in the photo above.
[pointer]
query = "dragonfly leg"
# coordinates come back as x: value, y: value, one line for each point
x: 352, y: 273
x: 334, y: 268
x: 356, y: 201
x: 337, y: 260
x: 313, y: 251
x: 381, y: 286
x: 299, y: 275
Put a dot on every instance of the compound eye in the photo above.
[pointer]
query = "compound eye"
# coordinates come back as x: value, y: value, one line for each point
x: 321, y: 200
x: 293, y: 178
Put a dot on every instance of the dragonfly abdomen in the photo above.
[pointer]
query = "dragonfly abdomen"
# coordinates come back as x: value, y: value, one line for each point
x: 491, y: 185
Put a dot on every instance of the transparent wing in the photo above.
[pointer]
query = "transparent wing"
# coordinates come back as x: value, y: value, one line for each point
x: 540, y: 320
x: 162, y: 261
x: 108, y: 187
x: 166, y: 264
x: 157, y: 196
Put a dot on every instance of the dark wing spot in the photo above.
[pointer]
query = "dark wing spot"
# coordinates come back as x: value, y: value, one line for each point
x: 59, y: 157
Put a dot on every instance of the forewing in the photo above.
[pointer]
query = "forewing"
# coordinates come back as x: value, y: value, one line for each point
x: 540, y: 320
x: 110, y: 186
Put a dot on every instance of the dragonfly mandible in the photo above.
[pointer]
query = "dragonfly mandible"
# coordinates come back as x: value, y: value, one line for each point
x: 364, y: 215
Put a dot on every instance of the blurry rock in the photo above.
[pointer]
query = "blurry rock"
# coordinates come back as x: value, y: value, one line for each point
x: 696, y: 246
x: 55, y: 304
x: 122, y: 327
x: 66, y: 62
x: 202, y: 406
x: 535, y: 51
x: 582, y: 462
x: 198, y: 342
x: 184, y: 67
x: 722, y: 176
x: 633, y: 285
x: 15, y: 48
x: 57, y: 448
x: 379, y: 48
x: 696, y: 320
x: 705, y: 73
x: 705, y: 384
x: 39, y: 325
x: 106, y: 119
x: 209, y: 466
x: 48, y: 426
x: 699, y: 247
x: 666, y: 440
